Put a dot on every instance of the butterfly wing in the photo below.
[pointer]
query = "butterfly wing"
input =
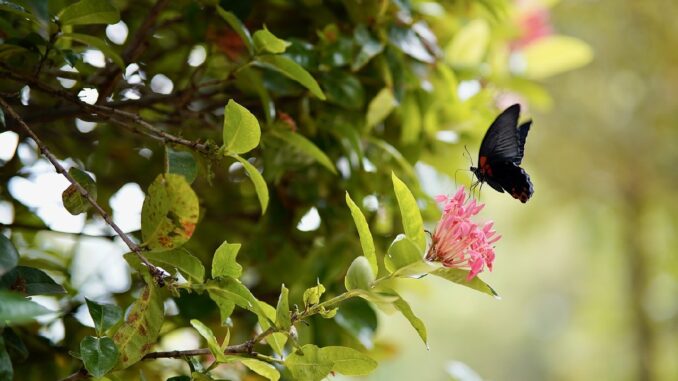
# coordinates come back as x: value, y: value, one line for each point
x: 522, y: 136
x: 510, y: 177
x: 502, y: 139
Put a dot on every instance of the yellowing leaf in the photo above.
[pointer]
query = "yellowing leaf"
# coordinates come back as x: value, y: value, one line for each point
x: 73, y: 201
x: 469, y: 45
x: 136, y: 336
x: 553, y: 55
x: 380, y: 107
x: 169, y: 214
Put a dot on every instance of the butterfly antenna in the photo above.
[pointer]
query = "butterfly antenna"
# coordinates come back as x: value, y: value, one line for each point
x: 468, y: 154
x: 456, y: 185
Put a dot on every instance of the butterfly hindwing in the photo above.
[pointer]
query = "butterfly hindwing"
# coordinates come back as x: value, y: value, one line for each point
x: 511, y: 178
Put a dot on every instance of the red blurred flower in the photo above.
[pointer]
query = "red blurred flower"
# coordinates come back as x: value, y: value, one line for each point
x: 534, y: 22
x: 457, y: 241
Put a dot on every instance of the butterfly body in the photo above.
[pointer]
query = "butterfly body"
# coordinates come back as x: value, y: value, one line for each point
x: 501, y: 154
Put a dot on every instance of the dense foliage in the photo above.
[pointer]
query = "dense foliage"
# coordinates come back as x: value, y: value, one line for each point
x: 276, y: 142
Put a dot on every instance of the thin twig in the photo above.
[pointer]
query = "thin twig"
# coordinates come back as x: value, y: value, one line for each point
x: 155, y: 272
x: 81, y: 374
x: 133, y: 50
x: 115, y: 115
x: 19, y: 226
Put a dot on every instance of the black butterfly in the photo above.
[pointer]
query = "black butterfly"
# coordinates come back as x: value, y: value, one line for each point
x: 501, y: 153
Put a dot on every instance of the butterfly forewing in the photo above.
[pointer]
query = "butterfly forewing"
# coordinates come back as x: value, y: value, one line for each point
x: 501, y: 139
x: 522, y: 136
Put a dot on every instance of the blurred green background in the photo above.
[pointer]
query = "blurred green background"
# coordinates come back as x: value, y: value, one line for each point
x: 587, y: 270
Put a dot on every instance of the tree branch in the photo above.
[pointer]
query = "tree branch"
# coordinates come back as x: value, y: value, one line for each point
x: 133, y: 50
x: 19, y: 226
x: 155, y: 272
x: 113, y: 114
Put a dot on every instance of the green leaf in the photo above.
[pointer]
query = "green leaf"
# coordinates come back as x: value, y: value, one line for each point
x: 276, y: 340
x: 180, y: 378
x: 407, y: 312
x: 402, y: 252
x: 105, y: 316
x: 251, y: 78
x: 359, y: 275
x: 553, y: 55
x: 407, y: 40
x: 137, y: 334
x: 226, y: 341
x: 180, y: 259
x: 282, y: 315
x: 30, y: 281
x: 369, y: 47
x: 366, y: 240
x: 411, y: 120
x: 359, y: 319
x: 469, y: 46
x: 292, y: 70
x: 169, y: 214
x: 306, y: 364
x: 241, y: 130
x: 460, y: 276
x: 395, y: 154
x: 16, y: 9
x: 306, y: 146
x: 15, y: 309
x: 99, y: 355
x: 89, y: 12
x: 181, y: 163
x: 14, y: 345
x: 348, y: 361
x: 73, y: 201
x: 409, y: 212
x: 380, y: 107
x: 258, y: 180
x: 267, y: 42
x: 262, y: 368
x: 96, y: 43
x: 6, y: 369
x: 227, y: 289
x: 224, y: 263
x: 235, y: 23
x: 212, y: 343
x: 9, y: 257
x: 312, y: 295
x: 343, y: 89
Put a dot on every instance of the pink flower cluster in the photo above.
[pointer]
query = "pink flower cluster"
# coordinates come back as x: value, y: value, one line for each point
x: 457, y: 241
